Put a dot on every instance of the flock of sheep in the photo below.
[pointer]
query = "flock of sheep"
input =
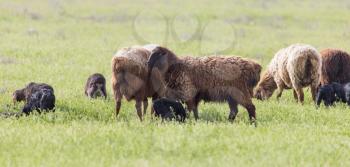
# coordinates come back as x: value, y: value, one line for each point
x: 153, y: 71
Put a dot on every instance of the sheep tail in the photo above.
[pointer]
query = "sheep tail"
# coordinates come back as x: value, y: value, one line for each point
x: 308, y: 68
x: 128, y: 76
x: 121, y: 65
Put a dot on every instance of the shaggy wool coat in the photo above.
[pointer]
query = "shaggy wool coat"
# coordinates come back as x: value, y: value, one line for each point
x: 335, y: 66
x: 216, y: 78
x: 130, y: 77
x: 294, y: 67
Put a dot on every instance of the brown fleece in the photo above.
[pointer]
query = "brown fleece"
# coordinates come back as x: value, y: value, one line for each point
x: 215, y: 78
x: 335, y: 66
x: 130, y: 78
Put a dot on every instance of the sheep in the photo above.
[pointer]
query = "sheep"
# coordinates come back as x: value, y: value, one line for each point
x: 294, y: 67
x: 326, y: 94
x: 340, y: 91
x: 38, y: 96
x: 23, y: 94
x: 42, y: 99
x: 335, y: 66
x: 330, y: 93
x: 169, y: 109
x: 214, y: 78
x: 96, y: 86
x: 129, y: 78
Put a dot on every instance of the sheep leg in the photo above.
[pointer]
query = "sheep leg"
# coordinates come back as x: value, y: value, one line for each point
x: 248, y: 104
x: 145, y: 105
x: 138, y: 106
x: 300, y: 94
x: 118, y: 101
x: 314, y: 91
x: 195, y: 112
x: 192, y: 106
x: 295, y: 95
x: 233, y: 109
x: 279, y: 92
x: 104, y: 92
x: 155, y: 97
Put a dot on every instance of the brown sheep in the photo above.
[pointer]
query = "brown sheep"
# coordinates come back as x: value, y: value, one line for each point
x: 216, y: 78
x: 295, y: 67
x: 129, y: 78
x: 335, y: 66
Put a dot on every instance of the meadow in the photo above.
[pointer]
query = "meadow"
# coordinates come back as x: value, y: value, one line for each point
x: 62, y: 42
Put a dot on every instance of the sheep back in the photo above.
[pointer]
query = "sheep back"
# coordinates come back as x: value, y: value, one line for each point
x: 335, y: 66
x: 297, y: 63
x: 130, y: 71
x: 213, y: 78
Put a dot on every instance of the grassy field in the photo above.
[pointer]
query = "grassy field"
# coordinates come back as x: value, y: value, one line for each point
x: 61, y: 42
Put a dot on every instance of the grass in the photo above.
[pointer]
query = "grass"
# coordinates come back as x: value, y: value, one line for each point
x: 62, y: 42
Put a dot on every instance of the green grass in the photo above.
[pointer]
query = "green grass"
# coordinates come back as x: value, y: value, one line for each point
x: 62, y: 42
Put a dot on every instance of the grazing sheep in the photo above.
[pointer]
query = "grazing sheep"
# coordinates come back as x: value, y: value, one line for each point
x: 294, y: 67
x: 335, y: 66
x: 130, y: 78
x: 169, y: 109
x: 342, y: 92
x: 40, y: 100
x: 339, y: 91
x: 216, y: 78
x: 24, y: 94
x: 330, y: 93
x: 96, y: 86
x: 326, y: 94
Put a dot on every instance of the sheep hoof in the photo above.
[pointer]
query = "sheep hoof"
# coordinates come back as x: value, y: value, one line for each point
x: 254, y: 122
x: 231, y: 118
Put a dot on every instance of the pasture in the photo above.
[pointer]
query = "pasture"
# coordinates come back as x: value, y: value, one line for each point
x: 62, y: 42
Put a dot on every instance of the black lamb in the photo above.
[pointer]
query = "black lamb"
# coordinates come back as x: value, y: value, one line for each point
x: 169, y: 109
x: 333, y: 92
x: 40, y: 100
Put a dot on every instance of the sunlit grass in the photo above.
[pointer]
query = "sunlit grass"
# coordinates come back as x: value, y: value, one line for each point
x: 62, y: 42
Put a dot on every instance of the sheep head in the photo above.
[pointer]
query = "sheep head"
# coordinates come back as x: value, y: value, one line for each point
x: 158, y: 64
x: 265, y: 87
x: 18, y: 95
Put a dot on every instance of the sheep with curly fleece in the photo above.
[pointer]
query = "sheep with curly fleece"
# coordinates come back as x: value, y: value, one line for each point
x: 25, y: 93
x: 216, y: 78
x: 335, y: 66
x: 294, y: 67
x: 129, y: 78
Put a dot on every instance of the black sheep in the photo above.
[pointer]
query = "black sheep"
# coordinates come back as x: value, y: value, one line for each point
x: 330, y: 93
x: 25, y: 93
x: 96, y: 86
x: 339, y: 92
x: 40, y: 100
x: 169, y: 109
x: 326, y: 94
